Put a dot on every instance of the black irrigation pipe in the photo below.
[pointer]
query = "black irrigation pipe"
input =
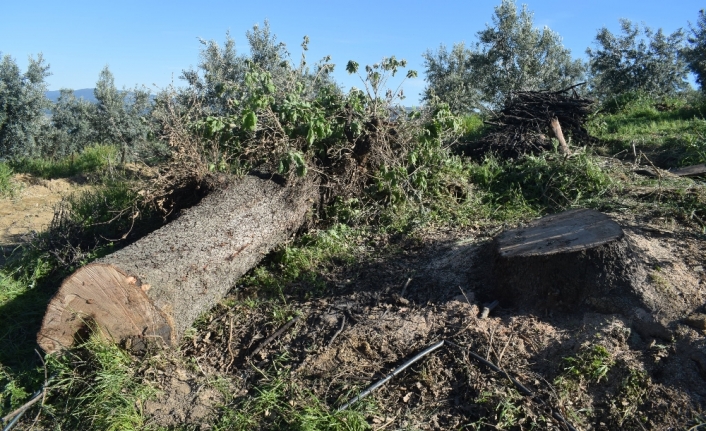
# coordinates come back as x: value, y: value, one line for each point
x: 398, y: 370
x: 520, y: 387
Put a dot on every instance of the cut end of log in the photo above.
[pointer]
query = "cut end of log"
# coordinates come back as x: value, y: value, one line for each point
x: 102, y: 295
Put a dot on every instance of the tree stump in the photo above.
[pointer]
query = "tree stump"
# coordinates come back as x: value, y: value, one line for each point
x: 563, y: 261
x: 158, y: 286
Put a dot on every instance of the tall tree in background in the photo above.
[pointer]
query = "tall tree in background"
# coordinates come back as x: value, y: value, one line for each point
x: 70, y: 129
x: 695, y: 53
x: 121, y: 117
x: 22, y: 104
x: 637, y: 61
x: 511, y: 55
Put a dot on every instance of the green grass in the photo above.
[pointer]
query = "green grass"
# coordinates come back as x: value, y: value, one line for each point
x: 8, y: 187
x: 672, y: 131
x: 277, y: 402
x: 96, y: 388
x: 92, y: 159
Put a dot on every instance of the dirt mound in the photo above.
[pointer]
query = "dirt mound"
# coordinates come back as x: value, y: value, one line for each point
x: 600, y: 370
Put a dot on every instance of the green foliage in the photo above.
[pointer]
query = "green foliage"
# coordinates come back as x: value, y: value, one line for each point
x: 670, y: 128
x: 122, y: 117
x: 511, y: 55
x: 7, y: 186
x: 95, y: 158
x: 536, y: 185
x: 695, y: 52
x: 591, y: 364
x: 97, y: 388
x: 22, y: 103
x: 277, y: 402
x: 651, y: 63
x: 71, y: 126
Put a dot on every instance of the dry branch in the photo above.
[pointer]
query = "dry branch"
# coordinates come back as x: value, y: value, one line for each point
x: 529, y: 116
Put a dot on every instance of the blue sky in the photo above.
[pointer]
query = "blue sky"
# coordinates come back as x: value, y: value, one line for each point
x: 148, y: 42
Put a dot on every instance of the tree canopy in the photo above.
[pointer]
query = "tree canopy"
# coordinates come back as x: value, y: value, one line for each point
x: 639, y: 60
x: 22, y: 104
x: 511, y: 55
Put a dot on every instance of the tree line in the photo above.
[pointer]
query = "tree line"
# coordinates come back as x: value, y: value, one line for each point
x: 509, y: 55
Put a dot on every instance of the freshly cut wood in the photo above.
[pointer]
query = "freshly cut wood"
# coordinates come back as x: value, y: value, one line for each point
x: 158, y: 286
x: 562, y: 260
x: 556, y: 129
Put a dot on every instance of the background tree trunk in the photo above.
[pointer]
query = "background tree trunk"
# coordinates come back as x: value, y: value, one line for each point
x: 158, y: 286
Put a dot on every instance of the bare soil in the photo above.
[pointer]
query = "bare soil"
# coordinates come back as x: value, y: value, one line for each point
x: 362, y: 326
x: 32, y: 208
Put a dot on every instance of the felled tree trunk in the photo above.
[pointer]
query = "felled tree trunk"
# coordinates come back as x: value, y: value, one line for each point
x: 158, y: 286
x: 562, y: 261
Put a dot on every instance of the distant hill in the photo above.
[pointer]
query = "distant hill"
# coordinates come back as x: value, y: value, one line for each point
x: 84, y: 93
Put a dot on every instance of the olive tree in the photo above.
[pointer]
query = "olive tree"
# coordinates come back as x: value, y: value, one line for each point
x: 695, y: 53
x: 639, y: 60
x: 509, y: 55
x: 219, y: 78
x: 22, y: 104
x: 70, y: 129
x: 121, y: 117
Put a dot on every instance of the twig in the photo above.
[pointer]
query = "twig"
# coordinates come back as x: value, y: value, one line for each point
x: 230, y: 350
x: 343, y: 324
x: 488, y: 308
x: 404, y: 289
x: 398, y: 370
x: 273, y: 336
x: 15, y: 416
x: 464, y: 295
x: 500, y: 358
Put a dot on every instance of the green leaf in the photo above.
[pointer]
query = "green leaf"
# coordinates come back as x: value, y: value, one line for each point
x: 352, y: 67
x: 250, y: 121
x: 310, y: 134
x: 411, y: 74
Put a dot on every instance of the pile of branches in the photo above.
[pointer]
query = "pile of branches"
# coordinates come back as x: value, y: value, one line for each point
x: 530, y: 119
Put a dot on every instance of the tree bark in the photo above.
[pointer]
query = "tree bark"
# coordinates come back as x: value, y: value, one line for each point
x: 158, y: 286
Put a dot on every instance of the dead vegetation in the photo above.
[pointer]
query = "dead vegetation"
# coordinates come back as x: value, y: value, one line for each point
x: 530, y: 120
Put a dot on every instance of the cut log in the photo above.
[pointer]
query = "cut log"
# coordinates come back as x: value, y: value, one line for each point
x: 158, y: 286
x: 562, y: 261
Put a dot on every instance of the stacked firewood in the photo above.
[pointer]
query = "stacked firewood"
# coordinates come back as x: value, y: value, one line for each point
x: 530, y: 119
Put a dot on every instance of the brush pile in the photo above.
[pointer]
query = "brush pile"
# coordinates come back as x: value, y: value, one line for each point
x: 530, y: 118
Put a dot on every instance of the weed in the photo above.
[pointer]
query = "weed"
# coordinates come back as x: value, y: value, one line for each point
x: 632, y: 394
x: 672, y: 129
x: 8, y: 187
x: 97, y: 158
x: 96, y: 388
x: 590, y: 365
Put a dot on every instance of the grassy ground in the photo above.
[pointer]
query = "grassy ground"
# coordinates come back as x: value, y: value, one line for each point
x: 99, y: 386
